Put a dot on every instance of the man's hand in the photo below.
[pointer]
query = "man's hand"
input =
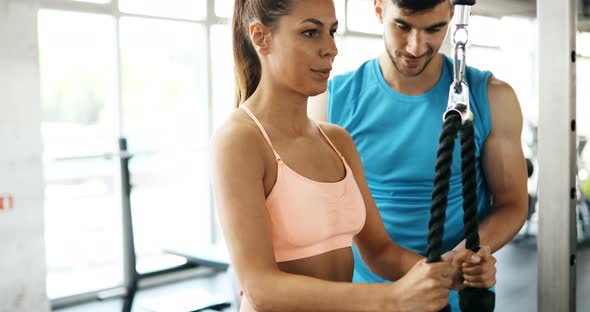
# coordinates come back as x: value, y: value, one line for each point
x: 472, y: 269
x: 456, y: 258
x: 482, y: 273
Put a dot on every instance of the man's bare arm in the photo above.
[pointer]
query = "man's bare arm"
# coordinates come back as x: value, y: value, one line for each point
x: 505, y: 168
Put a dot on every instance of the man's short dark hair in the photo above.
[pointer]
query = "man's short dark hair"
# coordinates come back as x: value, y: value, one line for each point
x: 417, y: 5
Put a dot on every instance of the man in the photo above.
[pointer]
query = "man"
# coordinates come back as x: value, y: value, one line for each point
x: 393, y: 105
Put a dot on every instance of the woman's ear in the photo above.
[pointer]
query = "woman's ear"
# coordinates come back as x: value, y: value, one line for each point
x: 260, y: 37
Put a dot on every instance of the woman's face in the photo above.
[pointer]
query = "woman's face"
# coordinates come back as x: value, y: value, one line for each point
x: 302, y: 47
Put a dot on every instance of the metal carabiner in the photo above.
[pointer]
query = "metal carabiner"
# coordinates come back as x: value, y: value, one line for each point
x: 459, y: 91
x: 459, y: 64
x: 459, y: 103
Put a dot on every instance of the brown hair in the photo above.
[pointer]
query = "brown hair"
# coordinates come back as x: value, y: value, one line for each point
x: 246, y: 61
x: 417, y: 6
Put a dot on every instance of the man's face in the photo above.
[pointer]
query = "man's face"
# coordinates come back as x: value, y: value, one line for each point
x: 412, y: 39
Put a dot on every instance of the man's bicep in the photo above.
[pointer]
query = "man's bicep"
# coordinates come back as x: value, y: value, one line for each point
x: 317, y: 107
x: 505, y: 169
x: 503, y: 158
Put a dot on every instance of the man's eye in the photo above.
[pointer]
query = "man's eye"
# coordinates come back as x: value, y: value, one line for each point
x: 403, y: 27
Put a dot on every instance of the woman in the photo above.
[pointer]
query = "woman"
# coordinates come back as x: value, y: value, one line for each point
x: 292, y: 195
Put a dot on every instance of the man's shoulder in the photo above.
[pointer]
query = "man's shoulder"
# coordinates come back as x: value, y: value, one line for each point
x: 351, y: 85
x: 477, y: 75
x: 474, y: 75
x: 356, y: 75
x: 501, y: 94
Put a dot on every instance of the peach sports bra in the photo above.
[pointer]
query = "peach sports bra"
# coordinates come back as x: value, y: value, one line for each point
x: 310, y: 217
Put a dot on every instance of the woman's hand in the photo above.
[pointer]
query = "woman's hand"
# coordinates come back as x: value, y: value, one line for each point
x: 424, y: 288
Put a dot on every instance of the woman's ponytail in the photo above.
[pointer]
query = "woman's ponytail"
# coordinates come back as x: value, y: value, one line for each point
x: 247, y: 66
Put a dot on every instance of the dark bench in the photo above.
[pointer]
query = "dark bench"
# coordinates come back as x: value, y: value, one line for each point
x: 214, y: 256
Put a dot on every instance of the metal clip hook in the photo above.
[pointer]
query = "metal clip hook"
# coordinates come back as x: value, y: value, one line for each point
x: 459, y: 103
x: 459, y: 64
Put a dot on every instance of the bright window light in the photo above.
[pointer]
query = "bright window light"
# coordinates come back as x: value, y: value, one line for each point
x: 94, y: 1
x: 361, y: 17
x: 183, y: 9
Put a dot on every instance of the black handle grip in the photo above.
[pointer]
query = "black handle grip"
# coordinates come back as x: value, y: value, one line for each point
x: 463, y: 2
x: 529, y: 167
x: 477, y: 300
x: 446, y: 309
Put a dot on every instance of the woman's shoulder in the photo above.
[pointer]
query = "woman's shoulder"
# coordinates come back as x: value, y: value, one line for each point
x: 344, y: 143
x: 338, y: 135
x: 237, y: 136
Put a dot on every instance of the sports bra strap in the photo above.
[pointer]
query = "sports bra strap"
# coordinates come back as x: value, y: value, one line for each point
x: 249, y: 112
x: 328, y: 139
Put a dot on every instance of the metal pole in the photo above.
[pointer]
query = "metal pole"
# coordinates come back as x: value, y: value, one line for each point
x: 131, y: 274
x: 210, y: 21
x: 557, y: 156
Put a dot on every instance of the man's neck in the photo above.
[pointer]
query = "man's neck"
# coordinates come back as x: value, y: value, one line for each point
x: 411, y: 85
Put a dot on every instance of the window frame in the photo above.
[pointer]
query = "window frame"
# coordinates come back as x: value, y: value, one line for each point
x: 112, y: 9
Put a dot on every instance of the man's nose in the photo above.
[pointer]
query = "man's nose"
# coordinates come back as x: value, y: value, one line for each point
x: 416, y: 45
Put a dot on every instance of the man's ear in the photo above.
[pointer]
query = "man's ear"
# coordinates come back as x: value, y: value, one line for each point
x: 452, y: 10
x: 260, y: 36
x: 378, y: 4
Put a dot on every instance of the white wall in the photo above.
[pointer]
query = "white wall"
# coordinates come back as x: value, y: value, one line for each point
x: 22, y: 251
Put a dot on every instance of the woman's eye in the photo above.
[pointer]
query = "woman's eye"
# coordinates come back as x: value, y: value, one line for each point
x: 310, y: 33
x: 332, y: 33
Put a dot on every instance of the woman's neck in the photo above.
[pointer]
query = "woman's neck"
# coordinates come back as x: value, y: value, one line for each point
x: 280, y: 108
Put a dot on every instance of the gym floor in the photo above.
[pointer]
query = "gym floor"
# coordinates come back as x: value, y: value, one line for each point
x: 516, y: 287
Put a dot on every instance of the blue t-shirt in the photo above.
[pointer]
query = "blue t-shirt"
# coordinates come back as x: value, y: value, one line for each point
x: 397, y: 138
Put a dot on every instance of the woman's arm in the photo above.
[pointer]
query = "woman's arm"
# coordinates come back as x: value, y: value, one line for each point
x: 383, y: 256
x: 237, y: 172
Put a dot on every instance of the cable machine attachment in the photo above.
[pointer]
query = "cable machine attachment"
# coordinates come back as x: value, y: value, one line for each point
x: 458, y: 117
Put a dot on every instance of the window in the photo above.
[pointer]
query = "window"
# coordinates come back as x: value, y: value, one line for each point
x: 224, y: 8
x: 350, y: 57
x: 183, y: 9
x: 94, y: 1
x: 361, y: 17
x: 483, y: 31
x: 222, y: 70
x: 223, y: 73
x: 82, y: 214
x: 142, y: 72
x: 165, y: 118
x: 583, y: 93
